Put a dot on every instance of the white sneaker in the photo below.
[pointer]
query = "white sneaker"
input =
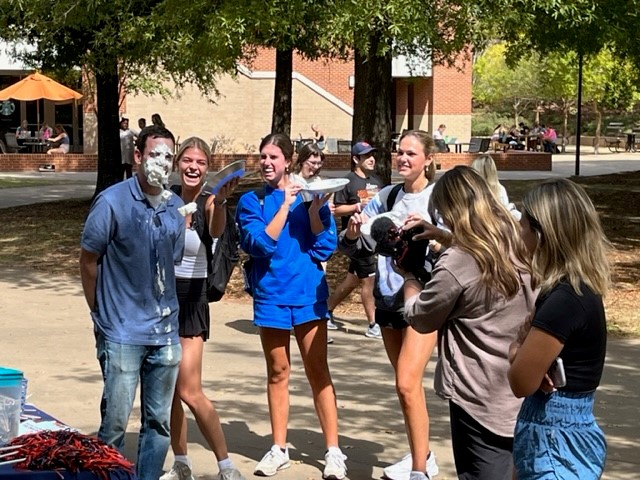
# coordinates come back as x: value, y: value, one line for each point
x: 230, y: 474
x: 179, y: 471
x: 274, y: 460
x: 331, y: 324
x: 334, y: 466
x: 373, y: 331
x: 401, y: 470
x: 418, y: 476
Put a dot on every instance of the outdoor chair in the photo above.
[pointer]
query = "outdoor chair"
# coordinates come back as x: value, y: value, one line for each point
x: 12, y: 143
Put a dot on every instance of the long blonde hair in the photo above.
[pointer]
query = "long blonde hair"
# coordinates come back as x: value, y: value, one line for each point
x: 486, y: 167
x: 482, y: 227
x: 571, y: 243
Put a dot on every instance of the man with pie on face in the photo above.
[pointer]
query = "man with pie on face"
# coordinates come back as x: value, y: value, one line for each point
x: 132, y: 238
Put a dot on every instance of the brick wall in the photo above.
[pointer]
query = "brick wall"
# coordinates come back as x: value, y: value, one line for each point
x: 511, y: 160
x: 16, y: 162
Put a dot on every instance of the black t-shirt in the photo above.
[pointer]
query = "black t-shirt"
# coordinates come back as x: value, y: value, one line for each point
x: 579, y: 322
x: 356, y: 189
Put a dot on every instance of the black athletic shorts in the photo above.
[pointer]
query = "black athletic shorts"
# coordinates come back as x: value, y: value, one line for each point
x: 363, y: 267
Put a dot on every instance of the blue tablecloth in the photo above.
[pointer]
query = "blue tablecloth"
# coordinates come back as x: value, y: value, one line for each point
x: 10, y: 472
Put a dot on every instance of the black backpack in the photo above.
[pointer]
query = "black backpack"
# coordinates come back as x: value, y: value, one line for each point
x: 225, y: 257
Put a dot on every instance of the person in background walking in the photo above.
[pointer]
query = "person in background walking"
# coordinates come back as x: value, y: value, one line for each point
x: 363, y: 186
x: 202, y: 226
x: 556, y: 434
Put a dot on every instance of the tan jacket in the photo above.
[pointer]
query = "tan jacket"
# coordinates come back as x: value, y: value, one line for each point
x: 476, y: 329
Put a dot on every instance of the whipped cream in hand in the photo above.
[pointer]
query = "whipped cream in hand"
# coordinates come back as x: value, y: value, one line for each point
x: 188, y: 208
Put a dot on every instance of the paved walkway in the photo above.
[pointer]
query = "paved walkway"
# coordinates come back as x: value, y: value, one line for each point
x: 47, y: 333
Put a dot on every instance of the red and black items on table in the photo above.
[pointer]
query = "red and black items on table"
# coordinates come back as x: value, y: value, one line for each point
x: 63, y: 454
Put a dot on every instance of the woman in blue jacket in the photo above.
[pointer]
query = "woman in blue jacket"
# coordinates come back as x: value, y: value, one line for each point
x: 288, y: 240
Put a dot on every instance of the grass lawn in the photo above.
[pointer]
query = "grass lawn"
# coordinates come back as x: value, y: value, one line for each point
x: 46, y: 237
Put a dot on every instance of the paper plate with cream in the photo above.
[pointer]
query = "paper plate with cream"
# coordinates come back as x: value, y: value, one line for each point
x: 330, y: 185
x: 217, y: 180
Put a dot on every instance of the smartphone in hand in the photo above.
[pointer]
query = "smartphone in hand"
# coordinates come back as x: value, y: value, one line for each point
x: 556, y: 373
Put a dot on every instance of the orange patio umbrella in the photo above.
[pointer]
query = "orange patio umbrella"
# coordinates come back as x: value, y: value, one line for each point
x: 37, y: 87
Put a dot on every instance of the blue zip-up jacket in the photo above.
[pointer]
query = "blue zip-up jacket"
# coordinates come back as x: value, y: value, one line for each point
x: 287, y: 271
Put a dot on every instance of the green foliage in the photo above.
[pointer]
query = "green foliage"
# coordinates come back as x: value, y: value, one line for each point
x: 484, y: 122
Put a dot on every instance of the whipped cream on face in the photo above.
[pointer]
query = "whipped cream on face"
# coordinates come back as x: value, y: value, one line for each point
x: 157, y: 165
x: 188, y: 208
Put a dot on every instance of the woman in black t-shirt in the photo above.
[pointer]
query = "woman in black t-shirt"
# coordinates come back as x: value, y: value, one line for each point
x: 556, y: 434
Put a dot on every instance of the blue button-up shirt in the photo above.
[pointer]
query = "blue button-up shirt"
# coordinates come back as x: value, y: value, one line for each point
x: 138, y: 245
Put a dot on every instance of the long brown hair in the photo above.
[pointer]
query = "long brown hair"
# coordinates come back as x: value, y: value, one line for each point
x: 482, y: 227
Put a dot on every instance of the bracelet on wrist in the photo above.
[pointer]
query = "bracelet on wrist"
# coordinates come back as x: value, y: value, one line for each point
x: 219, y: 204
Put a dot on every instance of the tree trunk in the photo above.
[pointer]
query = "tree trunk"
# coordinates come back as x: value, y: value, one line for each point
x: 109, y: 159
x: 372, y: 104
x: 281, y: 119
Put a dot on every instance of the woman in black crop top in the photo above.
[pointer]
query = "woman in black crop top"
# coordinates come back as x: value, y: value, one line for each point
x: 556, y: 434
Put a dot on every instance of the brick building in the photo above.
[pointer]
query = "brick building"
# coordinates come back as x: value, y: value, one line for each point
x: 322, y: 93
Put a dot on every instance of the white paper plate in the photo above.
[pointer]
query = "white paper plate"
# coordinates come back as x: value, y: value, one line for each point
x: 218, y: 179
x: 365, y: 229
x: 330, y: 185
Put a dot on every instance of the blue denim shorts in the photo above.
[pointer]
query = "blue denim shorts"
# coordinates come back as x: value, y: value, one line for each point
x: 285, y: 317
x: 557, y: 438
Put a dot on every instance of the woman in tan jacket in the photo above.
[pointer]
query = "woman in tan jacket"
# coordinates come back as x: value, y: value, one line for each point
x: 479, y: 294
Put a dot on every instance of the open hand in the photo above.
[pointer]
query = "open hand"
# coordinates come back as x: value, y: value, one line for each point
x: 355, y: 223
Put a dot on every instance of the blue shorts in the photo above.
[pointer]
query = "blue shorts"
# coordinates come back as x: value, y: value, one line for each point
x: 285, y: 317
x: 557, y: 438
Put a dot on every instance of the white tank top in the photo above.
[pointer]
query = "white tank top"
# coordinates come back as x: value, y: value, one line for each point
x: 194, y: 260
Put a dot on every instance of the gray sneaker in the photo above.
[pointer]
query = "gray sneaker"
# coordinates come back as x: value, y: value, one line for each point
x: 331, y: 324
x: 373, y: 331
x: 179, y: 471
x: 230, y: 474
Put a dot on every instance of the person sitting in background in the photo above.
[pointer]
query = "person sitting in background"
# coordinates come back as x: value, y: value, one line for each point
x: 62, y: 138
x: 45, y: 132
x: 440, y: 139
x: 513, y: 138
x: 22, y: 132
x: 439, y: 133
x: 549, y: 140
x: 142, y: 122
